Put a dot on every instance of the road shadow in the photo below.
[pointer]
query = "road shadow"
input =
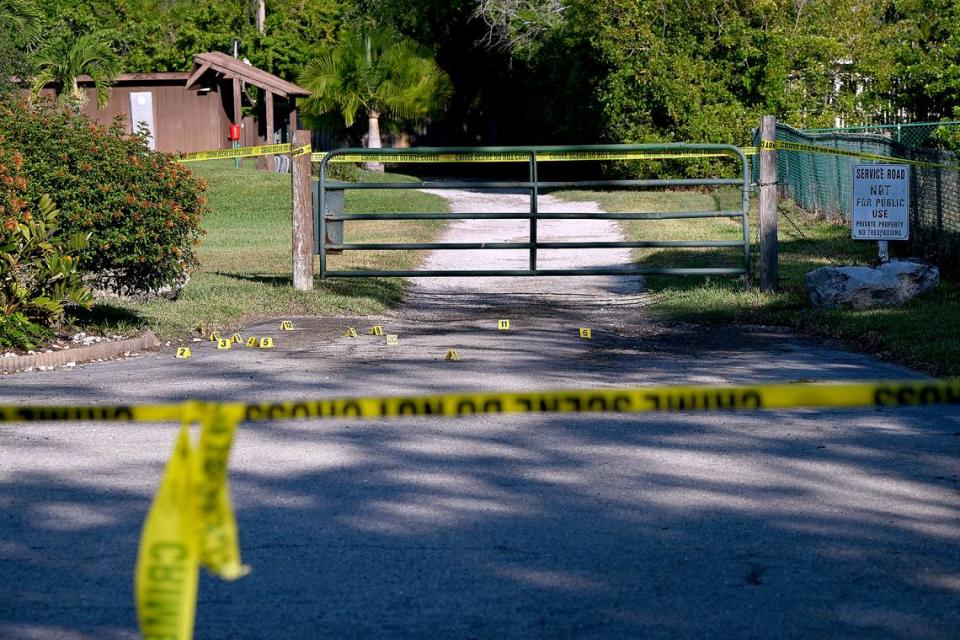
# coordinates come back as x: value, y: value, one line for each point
x: 779, y: 525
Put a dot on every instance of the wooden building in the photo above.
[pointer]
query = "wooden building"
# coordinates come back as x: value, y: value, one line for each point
x: 193, y: 111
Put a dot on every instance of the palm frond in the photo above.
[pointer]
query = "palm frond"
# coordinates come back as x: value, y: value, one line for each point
x: 65, y: 57
x: 378, y: 71
x: 22, y: 17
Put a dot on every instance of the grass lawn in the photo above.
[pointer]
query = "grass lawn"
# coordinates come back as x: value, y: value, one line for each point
x: 902, y: 334
x: 245, y: 258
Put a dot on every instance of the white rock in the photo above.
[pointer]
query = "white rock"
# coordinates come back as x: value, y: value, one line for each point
x: 892, y: 283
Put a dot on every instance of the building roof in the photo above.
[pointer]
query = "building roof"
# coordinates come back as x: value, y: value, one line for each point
x: 159, y: 76
x: 230, y: 67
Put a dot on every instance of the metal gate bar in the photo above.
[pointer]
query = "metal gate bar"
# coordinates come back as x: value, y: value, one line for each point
x: 529, y: 155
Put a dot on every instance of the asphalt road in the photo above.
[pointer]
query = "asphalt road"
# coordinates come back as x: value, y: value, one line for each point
x: 788, y: 524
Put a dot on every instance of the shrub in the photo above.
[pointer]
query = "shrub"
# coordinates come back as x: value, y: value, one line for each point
x: 16, y: 330
x: 39, y: 274
x: 142, y: 209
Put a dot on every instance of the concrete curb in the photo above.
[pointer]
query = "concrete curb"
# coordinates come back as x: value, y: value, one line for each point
x: 79, y: 355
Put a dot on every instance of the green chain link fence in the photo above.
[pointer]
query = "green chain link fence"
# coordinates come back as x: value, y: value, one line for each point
x: 914, y: 134
x: 822, y: 183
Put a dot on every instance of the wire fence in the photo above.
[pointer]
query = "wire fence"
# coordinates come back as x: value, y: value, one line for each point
x: 823, y: 183
x: 930, y: 135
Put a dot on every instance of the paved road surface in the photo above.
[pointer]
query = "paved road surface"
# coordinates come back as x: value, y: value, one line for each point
x: 791, y: 524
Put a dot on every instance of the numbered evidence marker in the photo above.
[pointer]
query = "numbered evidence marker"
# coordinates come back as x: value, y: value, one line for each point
x: 503, y: 325
x: 215, y: 336
x: 252, y: 341
x: 351, y: 332
x: 452, y: 356
x: 585, y: 333
x: 236, y: 339
x: 393, y: 341
x: 286, y: 325
x: 184, y: 352
x: 266, y: 343
x: 224, y: 343
x: 375, y: 330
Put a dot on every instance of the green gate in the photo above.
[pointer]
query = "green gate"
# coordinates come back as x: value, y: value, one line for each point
x: 329, y: 199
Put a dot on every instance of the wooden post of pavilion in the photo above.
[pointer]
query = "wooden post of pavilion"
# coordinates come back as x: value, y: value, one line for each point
x: 237, y: 112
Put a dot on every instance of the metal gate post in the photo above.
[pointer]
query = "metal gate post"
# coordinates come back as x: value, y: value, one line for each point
x: 322, y: 226
x: 533, y: 211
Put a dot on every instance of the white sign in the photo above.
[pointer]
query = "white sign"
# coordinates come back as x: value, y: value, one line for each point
x: 881, y: 202
x: 141, y: 115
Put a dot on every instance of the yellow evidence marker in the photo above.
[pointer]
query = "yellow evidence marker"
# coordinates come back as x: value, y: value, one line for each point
x: 585, y: 333
x: 503, y: 325
x: 351, y: 332
x: 215, y: 336
x: 452, y: 356
x: 252, y: 341
x: 375, y: 330
x: 286, y: 325
x: 236, y: 339
x: 224, y: 343
x: 184, y: 352
x: 392, y: 340
x: 266, y: 343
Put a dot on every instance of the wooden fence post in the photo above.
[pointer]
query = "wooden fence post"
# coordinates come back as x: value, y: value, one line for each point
x: 769, y: 261
x: 302, y: 215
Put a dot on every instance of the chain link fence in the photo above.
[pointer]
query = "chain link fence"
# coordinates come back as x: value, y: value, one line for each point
x: 929, y: 135
x: 822, y: 183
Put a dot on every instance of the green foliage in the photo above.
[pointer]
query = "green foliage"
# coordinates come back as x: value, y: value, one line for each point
x: 375, y: 72
x: 141, y: 209
x: 164, y: 35
x: 39, y: 274
x: 21, y: 26
x: 571, y: 71
x: 64, y: 56
x: 17, y: 331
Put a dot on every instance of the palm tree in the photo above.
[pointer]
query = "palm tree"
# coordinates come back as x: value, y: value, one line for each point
x: 21, y: 28
x: 378, y: 73
x: 62, y: 59
x: 22, y: 18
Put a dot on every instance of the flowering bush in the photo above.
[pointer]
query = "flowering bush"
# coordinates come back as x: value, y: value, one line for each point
x: 141, y: 209
x: 39, y: 274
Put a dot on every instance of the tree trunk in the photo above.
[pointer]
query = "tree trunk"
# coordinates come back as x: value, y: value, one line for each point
x: 261, y: 15
x: 373, y: 139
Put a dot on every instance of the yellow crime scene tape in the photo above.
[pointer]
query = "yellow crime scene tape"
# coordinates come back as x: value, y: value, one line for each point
x: 191, y: 522
x: 436, y: 158
x: 543, y: 156
x: 782, y: 145
x: 240, y: 152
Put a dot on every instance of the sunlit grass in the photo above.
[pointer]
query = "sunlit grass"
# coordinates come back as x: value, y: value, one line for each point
x: 246, y: 260
x: 805, y: 243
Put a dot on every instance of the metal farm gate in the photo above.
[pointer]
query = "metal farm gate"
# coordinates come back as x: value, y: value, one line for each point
x: 329, y: 199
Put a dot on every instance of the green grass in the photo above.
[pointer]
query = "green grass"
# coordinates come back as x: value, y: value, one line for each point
x: 902, y: 334
x: 245, y: 258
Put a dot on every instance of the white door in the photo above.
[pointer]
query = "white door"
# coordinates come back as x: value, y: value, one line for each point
x: 141, y: 115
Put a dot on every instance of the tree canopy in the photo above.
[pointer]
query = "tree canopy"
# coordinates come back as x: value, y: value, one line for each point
x: 570, y: 71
